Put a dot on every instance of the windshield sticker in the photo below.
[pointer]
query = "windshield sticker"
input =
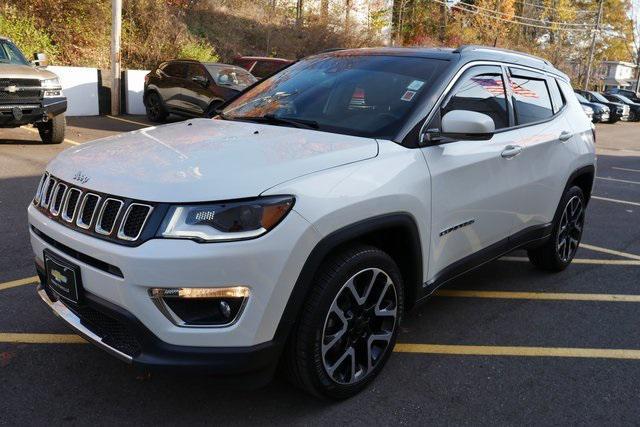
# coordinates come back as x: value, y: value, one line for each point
x: 415, y: 85
x: 408, y: 96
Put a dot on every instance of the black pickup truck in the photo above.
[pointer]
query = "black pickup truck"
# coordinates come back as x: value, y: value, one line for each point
x: 29, y: 94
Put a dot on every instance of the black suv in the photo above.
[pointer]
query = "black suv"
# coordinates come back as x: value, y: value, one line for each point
x: 191, y: 88
x: 634, y: 107
x: 617, y: 110
x: 625, y: 92
x: 29, y: 94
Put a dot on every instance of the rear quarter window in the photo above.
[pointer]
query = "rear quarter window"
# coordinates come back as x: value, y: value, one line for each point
x: 531, y: 99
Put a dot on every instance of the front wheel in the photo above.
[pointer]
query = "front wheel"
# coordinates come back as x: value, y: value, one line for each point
x: 52, y: 131
x: 558, y: 252
x: 348, y: 325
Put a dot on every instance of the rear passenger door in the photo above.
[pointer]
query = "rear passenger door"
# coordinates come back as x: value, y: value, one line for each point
x: 170, y: 86
x: 539, y: 109
x: 472, y: 181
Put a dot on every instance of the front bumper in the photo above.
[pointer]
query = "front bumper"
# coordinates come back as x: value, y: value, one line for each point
x: 120, y: 334
x: 269, y: 266
x: 32, y: 113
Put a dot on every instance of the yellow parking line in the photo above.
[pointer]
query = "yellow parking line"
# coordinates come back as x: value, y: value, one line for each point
x: 618, y: 180
x: 484, y: 350
x: 610, y: 251
x: 67, y: 140
x: 625, y: 169
x: 550, y: 296
x: 19, y: 282
x: 129, y: 121
x: 581, y: 261
x: 606, y: 199
x: 22, y: 338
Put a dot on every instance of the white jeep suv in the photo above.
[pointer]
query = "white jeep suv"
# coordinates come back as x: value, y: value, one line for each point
x: 300, y: 224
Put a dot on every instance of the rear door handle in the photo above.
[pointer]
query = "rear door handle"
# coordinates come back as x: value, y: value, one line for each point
x: 565, y: 136
x: 511, y: 151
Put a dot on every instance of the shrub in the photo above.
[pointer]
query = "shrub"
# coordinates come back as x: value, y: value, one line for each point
x: 25, y: 34
x: 198, y: 50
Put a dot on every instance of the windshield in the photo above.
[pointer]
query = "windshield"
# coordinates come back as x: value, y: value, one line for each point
x: 624, y: 99
x: 599, y: 97
x: 356, y: 95
x: 231, y: 76
x: 581, y: 98
x: 10, y: 54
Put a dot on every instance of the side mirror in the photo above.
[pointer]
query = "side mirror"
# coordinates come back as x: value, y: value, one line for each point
x: 40, y: 60
x: 467, y: 125
x: 201, y: 80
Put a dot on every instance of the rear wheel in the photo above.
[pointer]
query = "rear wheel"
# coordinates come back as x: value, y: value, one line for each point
x: 52, y: 131
x: 557, y: 253
x: 349, y: 324
x: 155, y: 109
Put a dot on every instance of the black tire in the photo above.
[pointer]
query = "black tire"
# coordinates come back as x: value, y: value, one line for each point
x: 156, y: 112
x: 305, y: 362
x: 567, y: 227
x: 52, y: 131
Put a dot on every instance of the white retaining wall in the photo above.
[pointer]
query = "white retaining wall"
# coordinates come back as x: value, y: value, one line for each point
x: 80, y: 86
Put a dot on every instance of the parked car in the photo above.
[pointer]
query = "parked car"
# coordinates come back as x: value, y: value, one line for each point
x: 633, y: 96
x: 634, y: 107
x: 600, y: 112
x: 191, y: 88
x: 30, y: 94
x: 588, y: 111
x: 298, y: 226
x: 261, y: 67
x: 617, y: 110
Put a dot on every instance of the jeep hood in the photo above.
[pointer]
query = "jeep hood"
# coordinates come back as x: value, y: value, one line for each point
x: 205, y: 160
x: 17, y: 71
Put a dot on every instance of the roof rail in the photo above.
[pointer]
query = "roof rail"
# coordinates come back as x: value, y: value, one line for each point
x: 332, y: 49
x: 469, y: 47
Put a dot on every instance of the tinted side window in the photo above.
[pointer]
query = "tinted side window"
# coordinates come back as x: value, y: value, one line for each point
x: 556, y: 96
x: 196, y: 70
x: 265, y: 68
x: 531, y: 99
x: 483, y: 92
x: 174, y: 69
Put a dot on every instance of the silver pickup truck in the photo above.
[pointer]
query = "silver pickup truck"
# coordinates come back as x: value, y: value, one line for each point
x: 29, y: 94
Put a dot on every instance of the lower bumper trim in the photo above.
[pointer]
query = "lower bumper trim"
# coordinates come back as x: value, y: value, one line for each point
x: 75, y: 323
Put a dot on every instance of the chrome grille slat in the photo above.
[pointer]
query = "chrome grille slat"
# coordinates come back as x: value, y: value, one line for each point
x: 71, y: 204
x: 57, y: 198
x: 87, y: 210
x: 108, y: 215
x: 137, y: 212
x: 112, y: 218
x: 47, y: 191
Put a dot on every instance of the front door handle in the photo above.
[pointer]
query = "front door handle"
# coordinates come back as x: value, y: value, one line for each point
x: 565, y: 136
x: 511, y: 151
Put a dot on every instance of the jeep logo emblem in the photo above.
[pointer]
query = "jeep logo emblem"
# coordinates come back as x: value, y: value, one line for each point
x: 81, y: 178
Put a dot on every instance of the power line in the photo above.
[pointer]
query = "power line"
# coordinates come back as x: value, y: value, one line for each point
x: 541, y: 21
x: 527, y: 24
x: 558, y: 9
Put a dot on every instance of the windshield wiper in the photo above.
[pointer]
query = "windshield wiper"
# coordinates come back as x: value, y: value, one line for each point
x: 275, y: 120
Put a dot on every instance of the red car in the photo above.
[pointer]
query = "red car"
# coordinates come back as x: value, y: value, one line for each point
x: 261, y: 67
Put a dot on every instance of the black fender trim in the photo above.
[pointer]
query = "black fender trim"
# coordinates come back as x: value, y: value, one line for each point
x: 332, y: 241
x: 584, y: 170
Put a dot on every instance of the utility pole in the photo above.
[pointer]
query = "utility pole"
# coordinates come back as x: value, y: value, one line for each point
x: 116, y: 31
x: 593, y: 46
x: 443, y: 17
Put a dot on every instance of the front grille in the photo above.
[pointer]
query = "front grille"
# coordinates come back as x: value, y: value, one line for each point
x: 113, y: 332
x: 19, y: 82
x: 24, y: 96
x: 113, y: 218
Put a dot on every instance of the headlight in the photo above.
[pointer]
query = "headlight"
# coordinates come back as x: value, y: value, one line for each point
x: 244, y: 219
x: 50, y: 83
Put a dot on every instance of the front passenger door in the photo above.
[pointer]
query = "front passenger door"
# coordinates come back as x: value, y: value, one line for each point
x: 472, y: 183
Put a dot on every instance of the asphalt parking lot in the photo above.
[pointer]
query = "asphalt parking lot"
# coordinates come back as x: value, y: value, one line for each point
x: 505, y: 344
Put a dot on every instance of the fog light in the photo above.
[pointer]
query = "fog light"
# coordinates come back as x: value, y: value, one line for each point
x: 201, y: 307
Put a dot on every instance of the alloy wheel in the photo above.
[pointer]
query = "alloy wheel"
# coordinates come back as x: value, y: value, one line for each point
x: 570, y: 229
x: 359, y: 326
